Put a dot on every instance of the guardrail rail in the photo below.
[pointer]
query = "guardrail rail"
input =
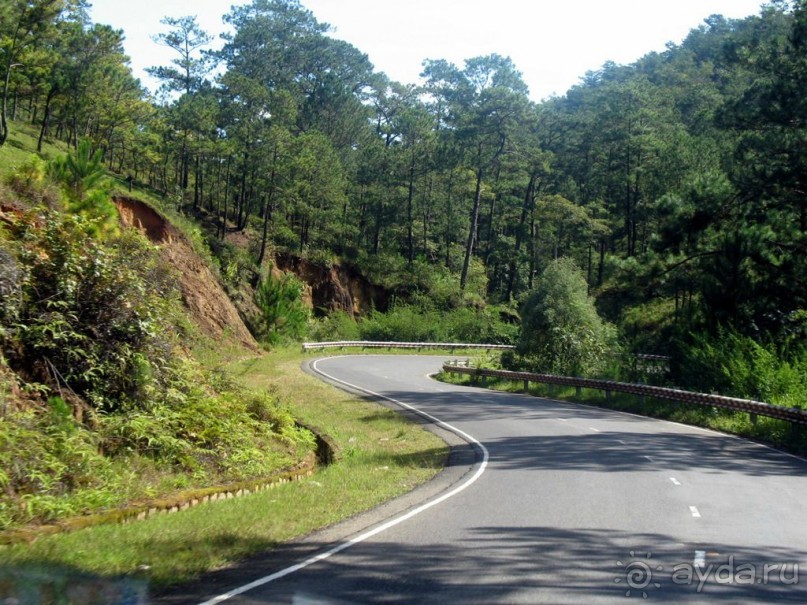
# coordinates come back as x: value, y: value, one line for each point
x: 795, y: 416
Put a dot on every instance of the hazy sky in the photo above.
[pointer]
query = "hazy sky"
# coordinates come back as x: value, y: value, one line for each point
x: 552, y: 42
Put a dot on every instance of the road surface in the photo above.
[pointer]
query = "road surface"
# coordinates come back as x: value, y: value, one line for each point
x: 550, y: 502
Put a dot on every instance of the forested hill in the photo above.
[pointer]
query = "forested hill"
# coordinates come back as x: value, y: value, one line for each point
x: 676, y: 184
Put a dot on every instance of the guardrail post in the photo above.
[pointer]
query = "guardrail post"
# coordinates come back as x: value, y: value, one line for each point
x: 578, y: 392
x: 608, y: 395
x: 526, y: 386
x: 753, y: 417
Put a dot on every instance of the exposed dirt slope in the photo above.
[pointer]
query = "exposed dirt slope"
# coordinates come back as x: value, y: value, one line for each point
x: 335, y: 288
x: 202, y: 293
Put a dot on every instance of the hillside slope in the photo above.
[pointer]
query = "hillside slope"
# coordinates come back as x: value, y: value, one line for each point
x: 202, y: 294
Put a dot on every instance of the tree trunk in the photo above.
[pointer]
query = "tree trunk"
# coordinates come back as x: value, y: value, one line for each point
x: 529, y: 198
x: 602, y: 262
x: 379, y: 216
x: 3, y: 123
x: 45, y: 119
x: 226, y: 199
x: 410, y: 243
x: 449, y: 215
x: 267, y: 216
x: 196, y: 192
x: 427, y: 212
x: 469, y: 246
x: 533, y: 250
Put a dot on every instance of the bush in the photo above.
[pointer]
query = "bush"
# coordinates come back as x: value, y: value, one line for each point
x: 424, y: 323
x: 30, y: 182
x: 98, y: 319
x: 736, y: 365
x: 561, y: 332
x: 93, y: 331
x: 339, y: 325
x: 284, y: 316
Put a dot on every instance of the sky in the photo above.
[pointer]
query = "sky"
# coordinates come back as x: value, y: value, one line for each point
x: 552, y: 42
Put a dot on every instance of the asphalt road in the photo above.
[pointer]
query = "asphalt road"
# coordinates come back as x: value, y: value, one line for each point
x: 549, y: 502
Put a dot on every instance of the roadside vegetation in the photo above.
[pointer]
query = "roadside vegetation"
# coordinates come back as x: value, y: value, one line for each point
x: 101, y: 404
x: 382, y: 456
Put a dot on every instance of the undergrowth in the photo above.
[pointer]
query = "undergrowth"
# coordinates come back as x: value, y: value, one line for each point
x: 421, y: 322
x: 101, y: 402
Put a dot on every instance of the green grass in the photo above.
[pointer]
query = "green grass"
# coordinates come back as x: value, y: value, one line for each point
x: 777, y: 433
x: 383, y: 455
x: 21, y: 144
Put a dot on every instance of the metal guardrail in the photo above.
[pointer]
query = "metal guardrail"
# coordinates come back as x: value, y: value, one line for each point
x: 646, y: 357
x: 755, y: 408
x: 371, y: 344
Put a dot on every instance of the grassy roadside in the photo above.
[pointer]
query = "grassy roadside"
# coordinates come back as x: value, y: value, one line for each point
x: 383, y: 455
x: 777, y: 433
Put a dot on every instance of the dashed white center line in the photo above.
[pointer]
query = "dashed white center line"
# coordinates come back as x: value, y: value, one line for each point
x: 675, y: 481
x: 622, y: 442
x: 650, y: 458
x: 695, y: 512
x: 563, y: 420
x: 700, y: 559
x: 593, y: 429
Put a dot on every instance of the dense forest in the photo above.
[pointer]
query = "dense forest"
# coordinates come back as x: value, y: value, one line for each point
x: 674, y: 187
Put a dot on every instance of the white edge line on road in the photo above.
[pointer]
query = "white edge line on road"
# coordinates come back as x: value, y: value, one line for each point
x: 376, y: 530
x: 675, y: 481
x: 695, y: 512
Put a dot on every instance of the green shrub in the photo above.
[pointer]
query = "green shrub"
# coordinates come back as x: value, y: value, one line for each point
x: 30, y: 182
x: 424, y: 323
x: 732, y: 364
x: 284, y: 316
x: 339, y: 325
x: 402, y: 323
x: 91, y: 335
x: 561, y: 332
x: 97, y: 318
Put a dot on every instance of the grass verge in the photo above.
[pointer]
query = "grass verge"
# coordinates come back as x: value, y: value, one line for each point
x: 777, y: 433
x: 383, y: 456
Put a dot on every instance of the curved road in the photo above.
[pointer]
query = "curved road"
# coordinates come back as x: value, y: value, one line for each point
x: 555, y: 503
